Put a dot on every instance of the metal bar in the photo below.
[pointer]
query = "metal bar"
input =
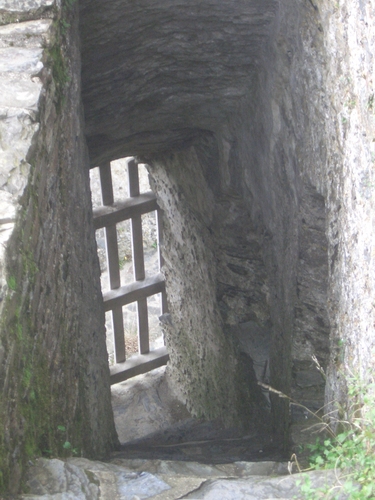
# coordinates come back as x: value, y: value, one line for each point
x: 110, y: 232
x: 159, y: 229
x: 133, y: 178
x: 143, y: 332
x: 118, y: 335
x: 133, y: 292
x: 108, y: 216
x: 137, y: 248
x: 164, y: 303
x: 118, y: 212
x: 138, y: 365
x: 138, y: 260
x: 112, y: 257
x: 106, y: 184
x: 113, y: 263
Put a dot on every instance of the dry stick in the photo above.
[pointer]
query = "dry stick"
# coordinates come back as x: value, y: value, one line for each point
x: 192, y: 443
x: 294, y: 403
x: 321, y: 423
x: 293, y: 458
x: 319, y: 367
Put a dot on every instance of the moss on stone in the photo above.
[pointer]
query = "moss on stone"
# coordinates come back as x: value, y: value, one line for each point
x: 60, y: 73
x: 27, y: 371
x: 47, y: 382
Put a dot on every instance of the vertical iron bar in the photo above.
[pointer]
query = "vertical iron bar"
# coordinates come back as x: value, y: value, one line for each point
x: 143, y: 331
x: 113, y: 262
x: 133, y: 178
x: 138, y: 260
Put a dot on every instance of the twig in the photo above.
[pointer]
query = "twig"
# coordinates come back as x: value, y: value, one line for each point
x: 294, y: 403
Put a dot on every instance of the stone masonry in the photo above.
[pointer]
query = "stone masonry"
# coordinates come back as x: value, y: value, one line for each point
x: 274, y: 102
x: 257, y: 121
x: 54, y: 376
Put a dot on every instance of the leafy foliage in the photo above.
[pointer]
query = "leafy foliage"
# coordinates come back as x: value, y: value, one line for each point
x: 350, y: 452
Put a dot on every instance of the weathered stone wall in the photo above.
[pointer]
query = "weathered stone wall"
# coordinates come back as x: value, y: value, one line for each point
x: 280, y: 149
x: 277, y: 98
x: 54, y: 376
x: 205, y: 367
x: 349, y: 36
x: 233, y: 96
x: 318, y: 117
x: 257, y: 120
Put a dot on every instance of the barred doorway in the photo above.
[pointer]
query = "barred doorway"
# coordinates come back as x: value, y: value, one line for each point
x: 128, y: 228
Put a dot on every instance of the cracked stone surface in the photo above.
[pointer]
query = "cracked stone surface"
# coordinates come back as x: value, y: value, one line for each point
x: 39, y: 178
x: 149, y: 430
x: 164, y: 480
x: 185, y: 64
x: 21, y: 52
x: 257, y: 120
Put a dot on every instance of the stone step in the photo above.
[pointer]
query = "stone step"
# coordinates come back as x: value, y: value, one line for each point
x: 126, y: 479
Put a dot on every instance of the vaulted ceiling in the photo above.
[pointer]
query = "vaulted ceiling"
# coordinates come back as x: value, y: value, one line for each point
x: 157, y: 73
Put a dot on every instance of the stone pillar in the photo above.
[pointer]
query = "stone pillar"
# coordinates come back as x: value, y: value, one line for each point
x: 205, y: 369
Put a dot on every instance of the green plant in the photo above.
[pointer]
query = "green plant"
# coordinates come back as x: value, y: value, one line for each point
x: 66, y: 445
x: 350, y: 451
x: 60, y: 73
x: 124, y: 260
x: 12, y: 284
x: 64, y: 25
x: 351, y: 103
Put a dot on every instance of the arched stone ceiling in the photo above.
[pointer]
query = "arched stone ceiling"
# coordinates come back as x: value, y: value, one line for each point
x: 155, y: 73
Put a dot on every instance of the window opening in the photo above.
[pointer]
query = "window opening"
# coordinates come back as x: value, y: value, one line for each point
x: 128, y: 226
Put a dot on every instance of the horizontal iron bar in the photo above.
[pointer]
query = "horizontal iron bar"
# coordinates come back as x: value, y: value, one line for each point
x: 137, y: 365
x: 113, y: 214
x: 134, y: 291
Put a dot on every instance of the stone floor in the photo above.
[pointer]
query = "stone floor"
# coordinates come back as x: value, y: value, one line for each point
x: 126, y: 479
x: 168, y: 455
x: 145, y: 405
x: 153, y: 424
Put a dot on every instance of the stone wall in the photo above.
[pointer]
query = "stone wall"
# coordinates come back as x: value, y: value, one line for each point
x: 281, y: 145
x: 257, y: 120
x: 318, y: 117
x: 277, y: 99
x: 202, y: 269
x: 349, y: 177
x: 54, y: 377
x: 322, y: 82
